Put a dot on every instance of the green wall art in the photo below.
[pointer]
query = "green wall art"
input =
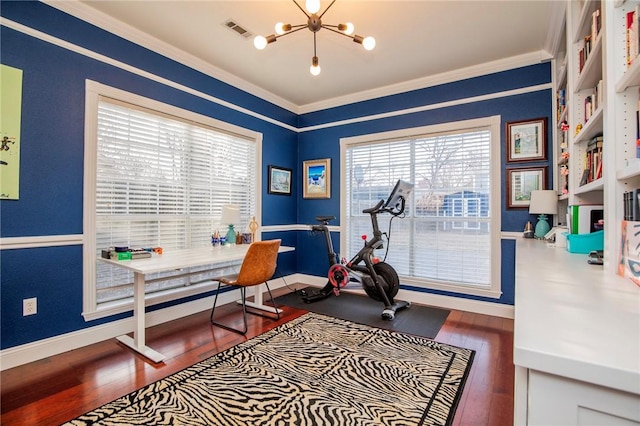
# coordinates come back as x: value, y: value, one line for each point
x: 10, y: 110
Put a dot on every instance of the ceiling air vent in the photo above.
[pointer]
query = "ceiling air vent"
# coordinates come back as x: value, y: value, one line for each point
x: 237, y: 28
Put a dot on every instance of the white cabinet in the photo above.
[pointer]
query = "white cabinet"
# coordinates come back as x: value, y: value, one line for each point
x: 556, y: 400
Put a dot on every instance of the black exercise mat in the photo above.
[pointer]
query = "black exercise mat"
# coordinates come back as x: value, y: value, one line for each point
x: 418, y: 320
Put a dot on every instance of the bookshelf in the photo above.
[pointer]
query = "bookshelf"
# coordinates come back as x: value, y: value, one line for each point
x: 561, y: 127
x: 622, y: 65
x: 586, y: 117
x: 601, y: 64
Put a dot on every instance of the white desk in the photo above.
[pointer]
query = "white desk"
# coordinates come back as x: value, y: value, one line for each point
x: 576, y: 339
x: 174, y: 260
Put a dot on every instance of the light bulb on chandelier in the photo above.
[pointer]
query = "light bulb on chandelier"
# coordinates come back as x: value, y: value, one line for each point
x: 312, y: 6
x: 315, y: 67
x: 314, y: 24
x: 282, y: 28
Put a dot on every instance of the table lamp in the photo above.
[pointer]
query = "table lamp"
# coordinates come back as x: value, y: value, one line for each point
x: 230, y: 216
x: 543, y: 202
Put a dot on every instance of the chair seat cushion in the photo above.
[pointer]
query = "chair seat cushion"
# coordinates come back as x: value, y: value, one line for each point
x: 228, y: 279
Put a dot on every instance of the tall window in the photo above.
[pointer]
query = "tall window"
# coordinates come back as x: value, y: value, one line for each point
x: 161, y: 178
x: 450, y: 236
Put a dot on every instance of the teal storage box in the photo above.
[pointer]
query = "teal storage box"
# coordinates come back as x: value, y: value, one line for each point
x: 585, y: 243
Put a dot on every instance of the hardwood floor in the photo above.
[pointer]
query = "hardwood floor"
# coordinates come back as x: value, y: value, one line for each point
x: 59, y: 388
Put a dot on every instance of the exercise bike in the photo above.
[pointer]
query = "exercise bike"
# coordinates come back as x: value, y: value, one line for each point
x: 378, y: 279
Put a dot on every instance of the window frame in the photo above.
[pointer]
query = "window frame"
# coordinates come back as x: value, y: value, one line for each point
x: 93, y: 92
x: 493, y: 123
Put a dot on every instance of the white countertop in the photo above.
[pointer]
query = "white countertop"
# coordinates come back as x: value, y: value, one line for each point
x: 573, y: 320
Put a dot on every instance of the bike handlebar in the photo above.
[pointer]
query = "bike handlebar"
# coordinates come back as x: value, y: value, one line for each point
x: 374, y: 209
x: 379, y: 209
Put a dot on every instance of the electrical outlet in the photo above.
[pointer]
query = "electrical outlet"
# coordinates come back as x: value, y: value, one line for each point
x: 29, y: 306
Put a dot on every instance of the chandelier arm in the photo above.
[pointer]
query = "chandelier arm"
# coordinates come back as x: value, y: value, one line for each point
x: 295, y: 28
x: 329, y: 27
x: 328, y: 7
x: 301, y: 8
x: 315, y: 53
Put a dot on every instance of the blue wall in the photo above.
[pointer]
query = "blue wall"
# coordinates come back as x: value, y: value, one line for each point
x: 323, y: 143
x: 52, y: 150
x: 52, y: 158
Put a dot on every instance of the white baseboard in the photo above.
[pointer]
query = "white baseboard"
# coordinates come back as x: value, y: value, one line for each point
x: 34, y: 351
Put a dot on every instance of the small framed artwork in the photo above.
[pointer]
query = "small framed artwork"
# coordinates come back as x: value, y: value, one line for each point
x: 279, y: 180
x: 520, y: 183
x: 527, y: 140
x: 317, y: 178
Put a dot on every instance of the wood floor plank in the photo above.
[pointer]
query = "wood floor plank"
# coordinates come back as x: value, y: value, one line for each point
x: 62, y: 387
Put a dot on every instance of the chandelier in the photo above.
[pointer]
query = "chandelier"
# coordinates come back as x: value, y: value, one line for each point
x: 314, y: 24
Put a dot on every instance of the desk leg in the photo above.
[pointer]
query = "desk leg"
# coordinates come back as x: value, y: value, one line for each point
x: 257, y: 303
x: 138, y: 341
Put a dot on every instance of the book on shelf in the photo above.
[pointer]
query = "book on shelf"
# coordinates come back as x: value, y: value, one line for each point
x: 632, y: 205
x: 595, y: 24
x: 632, y: 34
x: 638, y: 127
x: 593, y: 160
x: 629, y: 256
x: 562, y: 102
x: 584, y: 52
x: 588, y: 108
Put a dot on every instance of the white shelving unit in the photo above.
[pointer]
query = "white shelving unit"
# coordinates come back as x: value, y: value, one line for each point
x: 581, y: 83
x: 560, y: 133
x: 622, y: 86
x: 557, y: 382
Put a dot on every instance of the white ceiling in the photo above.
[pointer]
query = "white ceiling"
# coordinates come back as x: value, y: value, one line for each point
x: 417, y: 42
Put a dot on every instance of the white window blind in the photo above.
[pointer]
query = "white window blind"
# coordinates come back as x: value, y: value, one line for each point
x: 161, y: 181
x: 446, y: 239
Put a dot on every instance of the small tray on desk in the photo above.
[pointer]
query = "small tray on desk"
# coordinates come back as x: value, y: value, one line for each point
x: 585, y: 243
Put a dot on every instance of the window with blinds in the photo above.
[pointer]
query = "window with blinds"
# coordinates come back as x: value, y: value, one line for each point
x: 161, y: 181
x: 448, y: 238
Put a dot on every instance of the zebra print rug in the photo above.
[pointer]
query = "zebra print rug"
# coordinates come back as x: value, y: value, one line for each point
x: 314, y: 370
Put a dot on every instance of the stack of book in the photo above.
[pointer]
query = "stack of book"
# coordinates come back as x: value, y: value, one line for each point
x: 593, y: 101
x: 593, y: 160
x: 589, y: 39
x: 631, y: 205
x: 561, y: 102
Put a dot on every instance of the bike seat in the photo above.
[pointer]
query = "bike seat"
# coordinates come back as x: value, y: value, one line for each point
x: 325, y: 219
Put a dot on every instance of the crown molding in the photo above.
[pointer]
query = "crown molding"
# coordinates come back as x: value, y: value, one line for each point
x: 82, y: 11
x: 101, y: 20
x: 433, y: 80
x: 557, y: 28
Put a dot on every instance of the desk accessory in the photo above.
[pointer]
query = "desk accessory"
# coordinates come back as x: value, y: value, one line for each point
x: 528, y: 230
x: 543, y: 202
x: 230, y: 217
x: 596, y: 257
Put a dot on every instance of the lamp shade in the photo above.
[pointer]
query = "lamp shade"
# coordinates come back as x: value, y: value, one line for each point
x: 543, y: 202
x: 230, y: 215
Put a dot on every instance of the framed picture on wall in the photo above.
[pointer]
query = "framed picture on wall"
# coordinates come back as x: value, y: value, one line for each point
x: 316, y: 175
x: 527, y: 140
x: 520, y: 183
x: 279, y: 180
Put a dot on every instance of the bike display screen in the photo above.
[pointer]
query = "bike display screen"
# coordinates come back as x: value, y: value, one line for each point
x: 401, y: 190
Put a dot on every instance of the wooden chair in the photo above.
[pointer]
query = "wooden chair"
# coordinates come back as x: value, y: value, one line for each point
x: 258, y: 267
